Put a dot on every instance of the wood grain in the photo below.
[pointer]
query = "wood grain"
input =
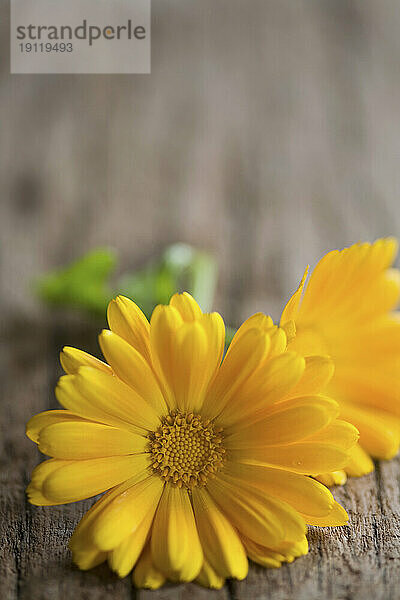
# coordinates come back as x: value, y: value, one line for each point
x: 35, y: 564
x: 268, y: 133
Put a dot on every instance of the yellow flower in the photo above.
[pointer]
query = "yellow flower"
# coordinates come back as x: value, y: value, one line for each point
x: 206, y: 462
x: 345, y: 311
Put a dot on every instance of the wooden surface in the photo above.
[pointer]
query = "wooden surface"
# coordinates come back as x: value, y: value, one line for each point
x: 343, y: 563
x: 268, y: 133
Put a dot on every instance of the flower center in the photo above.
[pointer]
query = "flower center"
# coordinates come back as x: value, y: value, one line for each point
x: 186, y: 450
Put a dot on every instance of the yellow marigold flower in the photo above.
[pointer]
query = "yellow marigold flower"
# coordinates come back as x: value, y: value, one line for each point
x: 345, y: 311
x: 201, y: 471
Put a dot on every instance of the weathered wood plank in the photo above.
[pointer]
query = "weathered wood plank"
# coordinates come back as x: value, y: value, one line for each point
x: 34, y: 560
x: 268, y: 132
x: 344, y: 562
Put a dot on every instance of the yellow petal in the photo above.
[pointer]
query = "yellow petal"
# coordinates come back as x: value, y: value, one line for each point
x: 80, y: 440
x: 339, y: 433
x: 316, y: 376
x: 114, y: 397
x: 239, y: 363
x: 89, y: 559
x: 291, y: 309
x: 71, y: 398
x: 288, y: 422
x: 123, y: 558
x: 332, y: 478
x: 290, y: 330
x: 273, y: 558
x: 145, y: 574
x: 383, y: 296
x: 175, y: 544
x: 165, y: 322
x: 221, y: 544
x: 266, y: 557
x: 302, y: 493
x: 82, y: 539
x: 124, y: 514
x: 379, y: 431
x: 132, y: 368
x: 208, y: 577
x: 254, y: 514
x: 189, y: 367
x: 72, y: 358
x: 269, y: 384
x: 337, y: 516
x: 187, y: 353
x: 86, y: 478
x: 258, y: 321
x: 39, y: 474
x: 187, y: 306
x: 360, y: 462
x: 199, y: 349
x: 127, y: 320
x: 278, y: 340
x: 48, y: 417
x: 309, y: 458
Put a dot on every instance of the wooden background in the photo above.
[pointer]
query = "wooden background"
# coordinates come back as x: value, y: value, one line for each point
x: 268, y: 133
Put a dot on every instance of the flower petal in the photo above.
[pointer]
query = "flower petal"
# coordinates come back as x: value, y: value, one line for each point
x: 332, y: 478
x: 187, y: 306
x: 291, y: 309
x: 288, y: 422
x: 360, y: 463
x: 127, y: 320
x: 188, y: 354
x: 309, y: 458
x: 123, y: 558
x: 302, y: 493
x: 260, y: 517
x: 86, y: 478
x: 239, y: 363
x: 145, y: 574
x: 49, y: 417
x: 220, y: 542
x: 269, y: 384
x: 379, y: 431
x: 124, y: 514
x: 72, y: 358
x: 317, y: 374
x: 273, y: 558
x: 337, y: 516
x: 80, y: 440
x: 39, y: 474
x: 258, y: 321
x: 175, y: 544
x: 339, y: 433
x: 70, y: 397
x: 208, y: 577
x: 130, y: 366
x: 165, y: 322
x: 114, y: 397
x: 81, y: 541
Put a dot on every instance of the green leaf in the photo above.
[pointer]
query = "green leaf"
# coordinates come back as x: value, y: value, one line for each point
x: 83, y: 284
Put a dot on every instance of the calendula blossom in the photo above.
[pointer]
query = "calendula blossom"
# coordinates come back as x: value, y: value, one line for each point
x: 346, y: 311
x: 206, y: 461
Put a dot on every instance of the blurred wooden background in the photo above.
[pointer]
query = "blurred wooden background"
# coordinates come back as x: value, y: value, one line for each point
x: 268, y: 133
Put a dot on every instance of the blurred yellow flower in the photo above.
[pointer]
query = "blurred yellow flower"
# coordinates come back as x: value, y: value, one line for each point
x: 206, y: 462
x: 345, y: 311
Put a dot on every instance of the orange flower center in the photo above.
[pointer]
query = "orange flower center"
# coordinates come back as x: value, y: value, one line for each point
x: 186, y: 450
